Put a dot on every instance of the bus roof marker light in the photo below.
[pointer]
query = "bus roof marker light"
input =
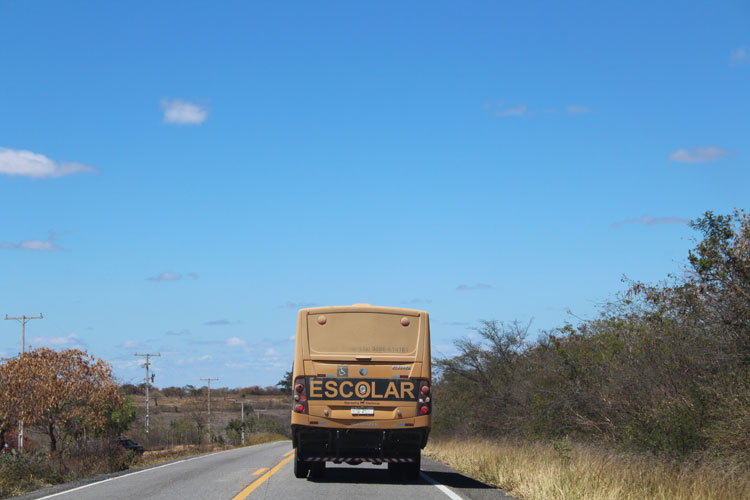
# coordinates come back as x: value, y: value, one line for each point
x: 322, y: 320
x: 404, y: 321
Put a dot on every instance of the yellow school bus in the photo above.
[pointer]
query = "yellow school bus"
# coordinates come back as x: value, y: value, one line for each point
x: 361, y: 388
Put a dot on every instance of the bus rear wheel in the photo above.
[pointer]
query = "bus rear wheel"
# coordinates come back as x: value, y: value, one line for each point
x: 301, y: 468
x: 410, y: 471
x: 318, y: 470
x: 394, y: 471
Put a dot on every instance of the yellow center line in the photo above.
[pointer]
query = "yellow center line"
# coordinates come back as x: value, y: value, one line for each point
x: 262, y: 479
x: 288, y: 453
x: 259, y: 471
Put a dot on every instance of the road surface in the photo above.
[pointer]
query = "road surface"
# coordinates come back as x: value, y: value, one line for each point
x: 266, y: 472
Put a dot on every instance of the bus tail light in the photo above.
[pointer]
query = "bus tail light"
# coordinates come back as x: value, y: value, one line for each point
x: 424, y: 406
x: 300, y: 396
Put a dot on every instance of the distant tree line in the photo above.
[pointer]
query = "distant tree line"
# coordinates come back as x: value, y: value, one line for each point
x: 192, y: 391
x: 664, y: 368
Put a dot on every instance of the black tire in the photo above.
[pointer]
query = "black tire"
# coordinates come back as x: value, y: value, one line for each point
x: 301, y: 468
x: 394, y: 471
x: 318, y: 470
x: 411, y: 471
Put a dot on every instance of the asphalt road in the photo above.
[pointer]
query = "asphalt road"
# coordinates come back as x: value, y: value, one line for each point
x: 265, y: 471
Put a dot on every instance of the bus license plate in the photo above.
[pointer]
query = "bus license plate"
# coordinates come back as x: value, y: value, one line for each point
x: 363, y: 411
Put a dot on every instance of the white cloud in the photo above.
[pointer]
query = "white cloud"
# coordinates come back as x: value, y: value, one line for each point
x: 232, y: 364
x: 271, y: 354
x: 19, y: 162
x: 647, y: 220
x: 194, y: 359
x: 237, y: 342
x: 183, y: 112
x: 34, y: 245
x: 478, y: 286
x: 131, y: 344
x: 70, y: 340
x: 298, y: 305
x: 698, y: 155
x: 740, y: 55
x: 166, y: 276
x: 577, y: 109
x: 519, y: 110
x: 126, y: 364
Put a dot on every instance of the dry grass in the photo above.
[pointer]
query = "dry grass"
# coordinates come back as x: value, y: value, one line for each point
x: 537, y: 471
x: 159, y: 456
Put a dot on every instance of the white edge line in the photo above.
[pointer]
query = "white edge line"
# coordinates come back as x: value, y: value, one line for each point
x: 441, y: 487
x: 95, y: 483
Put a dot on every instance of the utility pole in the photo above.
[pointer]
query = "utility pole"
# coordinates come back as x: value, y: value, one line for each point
x: 210, y: 437
x: 147, y: 364
x: 242, y: 417
x: 23, y: 319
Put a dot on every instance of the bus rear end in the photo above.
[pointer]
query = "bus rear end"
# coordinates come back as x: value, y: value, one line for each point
x: 361, y: 388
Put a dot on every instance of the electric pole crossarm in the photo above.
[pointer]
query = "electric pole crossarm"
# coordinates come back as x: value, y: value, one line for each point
x: 23, y: 319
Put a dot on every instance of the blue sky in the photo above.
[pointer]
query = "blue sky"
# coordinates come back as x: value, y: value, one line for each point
x: 181, y: 177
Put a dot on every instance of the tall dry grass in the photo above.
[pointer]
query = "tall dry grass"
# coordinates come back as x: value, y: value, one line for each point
x: 561, y: 471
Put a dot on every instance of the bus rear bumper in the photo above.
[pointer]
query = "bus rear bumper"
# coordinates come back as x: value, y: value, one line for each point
x: 315, y: 444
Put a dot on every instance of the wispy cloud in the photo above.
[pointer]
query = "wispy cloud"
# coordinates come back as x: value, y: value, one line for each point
x: 194, y: 359
x: 647, y: 220
x: 218, y: 322
x: 519, y: 110
x: 698, y: 155
x: 183, y: 112
x: 299, y: 305
x: 498, y: 108
x: 740, y: 55
x: 193, y: 276
x: 178, y: 333
x: 577, y: 109
x: 271, y: 353
x: 47, y: 245
x: 478, y: 286
x: 237, y: 342
x: 166, y: 276
x: 131, y: 344
x: 416, y: 301
x: 206, y: 342
x: 19, y: 162
x: 71, y: 340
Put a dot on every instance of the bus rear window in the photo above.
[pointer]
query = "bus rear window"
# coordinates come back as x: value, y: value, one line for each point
x: 363, y: 333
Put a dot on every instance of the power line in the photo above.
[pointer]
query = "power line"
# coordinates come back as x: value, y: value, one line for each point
x: 23, y: 319
x: 147, y: 364
x: 210, y: 437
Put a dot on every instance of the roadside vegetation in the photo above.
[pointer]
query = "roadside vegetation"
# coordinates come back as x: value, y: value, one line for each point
x: 649, y: 400
x: 74, y: 412
x: 563, y: 470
